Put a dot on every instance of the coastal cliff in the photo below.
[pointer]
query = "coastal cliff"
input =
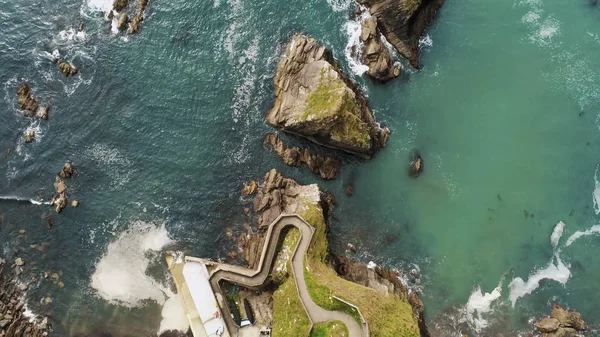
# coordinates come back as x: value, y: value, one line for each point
x: 402, y: 22
x: 314, y: 99
x: 379, y: 294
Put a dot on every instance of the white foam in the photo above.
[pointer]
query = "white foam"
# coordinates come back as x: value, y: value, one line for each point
x: 353, y: 30
x: 557, y: 233
x: 596, y: 193
x: 592, y: 230
x: 480, y: 304
x: 339, y: 5
x: 100, y: 5
x: 120, y: 275
x: 371, y: 265
x: 173, y: 315
x: 426, y: 41
x: 558, y: 272
x: 71, y: 34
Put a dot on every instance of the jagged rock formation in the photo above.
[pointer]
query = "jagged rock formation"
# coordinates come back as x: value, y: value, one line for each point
x: 281, y: 195
x: 402, y: 22
x: 26, y: 101
x: 12, y: 320
x: 375, y: 55
x: 67, y: 69
x: 314, y: 99
x: 326, y: 167
x: 383, y: 280
x: 561, y: 323
x: 249, y: 188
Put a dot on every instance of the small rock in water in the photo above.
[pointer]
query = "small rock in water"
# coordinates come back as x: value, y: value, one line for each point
x: 250, y: 188
x: 22, y: 232
x: 67, y: 171
x: 67, y: 69
x: 55, y: 276
x: 120, y: 5
x: 26, y: 101
x: 74, y: 203
x: 48, y: 300
x: 23, y: 287
x: 60, y: 284
x: 351, y: 248
x: 111, y: 15
x: 44, y: 112
x: 123, y: 20
x: 416, y: 166
x: 30, y: 136
x: 19, y: 262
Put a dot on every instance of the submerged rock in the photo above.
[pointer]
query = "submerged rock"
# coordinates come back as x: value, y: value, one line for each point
x: 26, y: 101
x: 416, y: 166
x: 314, y: 99
x: 123, y: 20
x: 67, y: 171
x: 402, y: 22
x: 67, y: 69
x: 325, y: 167
x: 375, y: 55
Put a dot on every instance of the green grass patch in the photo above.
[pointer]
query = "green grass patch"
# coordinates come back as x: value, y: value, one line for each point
x: 387, y: 315
x: 329, y: 329
x: 289, y: 317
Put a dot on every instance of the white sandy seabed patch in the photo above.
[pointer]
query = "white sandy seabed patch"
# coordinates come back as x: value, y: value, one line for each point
x: 120, y: 276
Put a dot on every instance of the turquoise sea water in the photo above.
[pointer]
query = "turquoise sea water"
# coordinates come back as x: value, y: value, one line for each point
x: 164, y: 127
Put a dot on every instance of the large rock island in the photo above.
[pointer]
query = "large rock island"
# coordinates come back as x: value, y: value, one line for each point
x: 402, y: 22
x: 314, y: 99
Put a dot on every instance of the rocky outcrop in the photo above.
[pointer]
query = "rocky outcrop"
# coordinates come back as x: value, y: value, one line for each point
x: 281, y: 195
x: 122, y: 23
x: 59, y: 200
x: 12, y: 306
x: 314, y: 99
x: 67, y: 171
x: 561, y: 323
x: 375, y: 55
x: 138, y: 18
x: 326, y: 167
x: 402, y: 22
x: 67, y: 69
x: 383, y: 280
x: 26, y: 101
x: 119, y: 5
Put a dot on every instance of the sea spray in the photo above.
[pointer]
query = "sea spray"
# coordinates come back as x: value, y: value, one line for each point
x: 592, y: 230
x: 557, y: 234
x: 553, y: 271
x: 478, y: 305
x: 353, y: 49
x: 120, y: 275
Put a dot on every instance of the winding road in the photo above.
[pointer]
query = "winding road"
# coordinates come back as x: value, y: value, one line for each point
x: 254, y: 278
